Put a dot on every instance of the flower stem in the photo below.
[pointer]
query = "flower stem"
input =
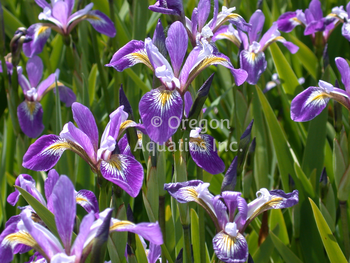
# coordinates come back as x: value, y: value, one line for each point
x: 161, y: 216
x: 345, y: 226
x: 187, y: 244
x: 201, y: 216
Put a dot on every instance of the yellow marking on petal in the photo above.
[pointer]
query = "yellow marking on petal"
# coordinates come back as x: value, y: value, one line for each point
x: 233, y: 16
x: 52, y: 86
x: 42, y: 30
x: 165, y: 96
x: 232, y: 38
x: 296, y: 20
x: 89, y: 16
x: 120, y: 224
x: 321, y: 96
x: 31, y: 106
x: 21, y: 237
x: 141, y: 57
x: 200, y: 142
x: 266, y: 206
x: 126, y: 124
x: 80, y: 199
x: 205, y: 63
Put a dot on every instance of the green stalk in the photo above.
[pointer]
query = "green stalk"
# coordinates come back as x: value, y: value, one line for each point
x: 103, y: 196
x: 187, y: 243
x: 345, y: 226
x: 58, y: 110
x: 100, y: 70
x: 13, y: 100
x: 201, y: 216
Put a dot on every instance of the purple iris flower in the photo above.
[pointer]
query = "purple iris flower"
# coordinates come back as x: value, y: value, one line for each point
x: 252, y: 57
x: 342, y: 16
x: 168, y: 7
x: 30, y: 112
x: 108, y: 159
x: 204, y: 153
x: 27, y: 232
x: 165, y: 103
x: 59, y: 13
x: 232, y: 215
x: 311, y: 102
x: 312, y: 19
x: 84, y: 198
x: 276, y: 81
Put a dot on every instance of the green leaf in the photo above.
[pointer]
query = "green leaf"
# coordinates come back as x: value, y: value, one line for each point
x: 286, y: 74
x: 333, y: 250
x: 41, y: 210
x: 282, y: 148
x: 140, y: 250
x: 11, y: 23
x: 287, y: 254
x: 305, y: 56
x: 195, y: 236
x: 339, y: 163
x: 276, y: 218
x: 139, y: 83
x: 344, y: 186
x: 92, y: 83
x: 304, y: 180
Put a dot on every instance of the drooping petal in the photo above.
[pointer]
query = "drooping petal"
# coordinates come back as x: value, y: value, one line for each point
x: 84, y: 228
x: 204, y: 153
x: 288, y: 21
x: 88, y: 201
x: 101, y: 23
x: 67, y: 96
x: 309, y: 103
x: 46, y: 241
x: 26, y: 182
x: 344, y: 70
x: 176, y: 44
x: 161, y: 112
x: 34, y: 70
x: 39, y: 33
x: 129, y: 55
x: 227, y: 32
x: 45, y: 152
x: 203, y: 13
x: 86, y: 122
x: 125, y: 172
x: 275, y: 199
x: 254, y: 64
x: 230, y: 249
x: 149, y: 231
x: 192, y: 191
x: 78, y: 137
x: 30, y: 118
x: 168, y: 7
x: 257, y: 21
x: 79, y: 14
x: 64, y: 206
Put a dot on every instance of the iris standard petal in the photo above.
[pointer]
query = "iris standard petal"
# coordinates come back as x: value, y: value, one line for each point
x: 204, y: 153
x: 101, y: 23
x: 88, y: 201
x: 113, y: 127
x: 45, y: 152
x: 24, y: 83
x: 34, y: 70
x: 234, y: 201
x: 86, y: 122
x: 49, y: 185
x: 46, y: 85
x: 79, y: 14
x: 161, y: 112
x: 159, y: 38
x: 125, y: 172
x: 64, y: 206
x: 154, y: 252
x: 220, y: 211
x: 254, y: 64
x: 344, y: 70
x: 129, y: 55
x: 39, y: 33
x: 30, y: 118
x: 188, y: 103
x: 315, y: 9
x: 257, y: 21
x: 42, y: 3
x: 149, y: 231
x: 203, y: 13
x: 176, y: 44
x: 230, y: 249
x: 84, y: 228
x: 60, y: 12
x: 309, y: 103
